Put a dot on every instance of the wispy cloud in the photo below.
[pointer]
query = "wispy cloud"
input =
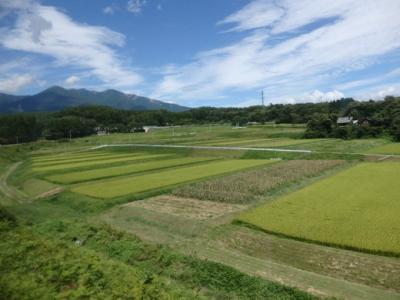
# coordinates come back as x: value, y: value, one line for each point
x: 290, y: 48
x: 108, y: 10
x: 135, y: 6
x: 48, y: 31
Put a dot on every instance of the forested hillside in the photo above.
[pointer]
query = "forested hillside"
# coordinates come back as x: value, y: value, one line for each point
x: 373, y: 118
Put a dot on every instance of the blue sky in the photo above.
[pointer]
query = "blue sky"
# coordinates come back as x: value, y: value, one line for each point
x: 208, y: 52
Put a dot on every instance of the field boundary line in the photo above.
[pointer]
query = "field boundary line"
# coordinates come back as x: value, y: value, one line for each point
x: 384, y: 156
x: 203, y: 147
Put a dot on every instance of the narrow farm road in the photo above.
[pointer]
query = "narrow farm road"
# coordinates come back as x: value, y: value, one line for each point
x: 313, y: 283
x: 7, y: 190
x: 376, y: 155
x: 204, y: 147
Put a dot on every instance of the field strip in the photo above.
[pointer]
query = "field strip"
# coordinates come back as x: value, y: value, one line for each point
x: 100, y: 173
x: 208, y: 147
x: 356, y: 209
x: 131, y: 185
x: 76, y: 156
x: 308, y: 281
x: 241, y: 149
x: 98, y: 162
x: 73, y: 160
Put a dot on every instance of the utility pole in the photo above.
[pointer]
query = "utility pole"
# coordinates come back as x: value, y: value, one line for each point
x: 70, y: 135
x: 262, y: 97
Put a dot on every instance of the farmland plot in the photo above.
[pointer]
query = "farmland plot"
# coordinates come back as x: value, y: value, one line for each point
x: 357, y: 209
x: 136, y: 184
x: 80, y: 176
x: 246, y: 186
x: 98, y: 162
x: 392, y: 148
x: 58, y: 157
x: 83, y: 159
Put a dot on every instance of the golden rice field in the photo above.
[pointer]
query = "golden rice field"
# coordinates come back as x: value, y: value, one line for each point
x: 358, y: 208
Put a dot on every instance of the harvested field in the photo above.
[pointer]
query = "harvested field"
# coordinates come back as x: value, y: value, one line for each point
x: 357, y: 209
x: 136, y: 184
x: 186, y: 207
x: 246, y: 186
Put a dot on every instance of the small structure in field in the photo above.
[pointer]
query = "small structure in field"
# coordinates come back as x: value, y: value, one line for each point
x: 342, y: 121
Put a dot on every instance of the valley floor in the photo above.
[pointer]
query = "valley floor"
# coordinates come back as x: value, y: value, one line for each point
x: 172, y: 218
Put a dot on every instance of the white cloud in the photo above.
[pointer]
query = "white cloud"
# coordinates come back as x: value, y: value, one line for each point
x: 15, y: 83
x: 108, y: 10
x: 380, y: 92
x: 281, y: 56
x: 135, y: 6
x: 318, y: 96
x: 48, y: 31
x: 72, y: 80
x: 256, y: 14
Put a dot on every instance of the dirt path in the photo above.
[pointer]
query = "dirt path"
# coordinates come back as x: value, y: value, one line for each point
x: 7, y: 190
x: 49, y: 193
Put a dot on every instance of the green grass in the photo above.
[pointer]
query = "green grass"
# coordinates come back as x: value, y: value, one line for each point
x: 130, y: 158
x: 68, y: 156
x: 192, y: 277
x: 86, y: 158
x: 136, y: 184
x: 392, y: 148
x: 80, y: 176
x: 356, y: 209
x: 33, y: 267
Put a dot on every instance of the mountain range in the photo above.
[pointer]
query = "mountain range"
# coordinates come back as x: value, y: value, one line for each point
x: 57, y: 98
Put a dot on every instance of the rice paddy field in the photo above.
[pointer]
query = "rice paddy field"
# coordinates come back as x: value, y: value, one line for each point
x: 358, y: 209
x: 137, y: 184
x: 390, y: 149
x: 217, y: 223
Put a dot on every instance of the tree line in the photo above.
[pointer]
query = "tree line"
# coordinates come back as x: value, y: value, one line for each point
x: 374, y: 118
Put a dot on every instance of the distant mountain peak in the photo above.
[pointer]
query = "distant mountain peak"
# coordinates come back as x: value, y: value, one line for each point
x: 57, y: 98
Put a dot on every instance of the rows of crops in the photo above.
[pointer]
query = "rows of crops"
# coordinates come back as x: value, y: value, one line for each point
x: 246, y: 186
x: 97, y: 162
x: 358, y: 208
x: 136, y: 184
x: 100, y: 173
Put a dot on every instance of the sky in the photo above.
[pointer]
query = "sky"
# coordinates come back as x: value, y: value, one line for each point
x: 204, y: 53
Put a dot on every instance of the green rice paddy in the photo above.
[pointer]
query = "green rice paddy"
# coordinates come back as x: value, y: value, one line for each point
x: 136, y: 184
x: 79, y: 176
x: 97, y: 162
x: 392, y: 148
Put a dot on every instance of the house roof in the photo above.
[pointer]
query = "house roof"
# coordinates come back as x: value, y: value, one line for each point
x: 344, y: 120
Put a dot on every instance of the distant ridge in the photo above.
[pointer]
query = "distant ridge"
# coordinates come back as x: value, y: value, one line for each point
x: 57, y: 98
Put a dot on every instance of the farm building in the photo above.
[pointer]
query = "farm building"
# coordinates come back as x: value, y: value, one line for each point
x: 342, y: 121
